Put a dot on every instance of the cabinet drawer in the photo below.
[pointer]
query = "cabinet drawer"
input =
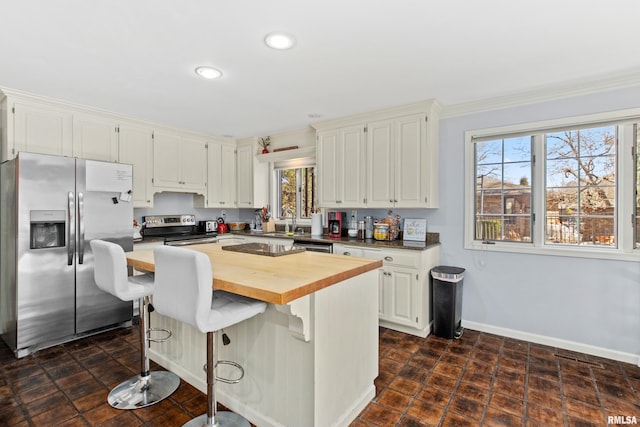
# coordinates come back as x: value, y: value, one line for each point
x: 407, y: 259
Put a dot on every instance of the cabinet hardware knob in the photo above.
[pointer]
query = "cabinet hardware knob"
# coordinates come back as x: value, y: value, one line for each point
x: 388, y: 258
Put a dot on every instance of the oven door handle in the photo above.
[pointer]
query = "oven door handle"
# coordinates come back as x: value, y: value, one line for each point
x: 191, y: 242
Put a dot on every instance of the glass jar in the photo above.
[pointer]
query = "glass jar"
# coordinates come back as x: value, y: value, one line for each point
x: 381, y: 231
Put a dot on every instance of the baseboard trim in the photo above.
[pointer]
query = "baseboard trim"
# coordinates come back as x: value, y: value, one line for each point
x: 555, y: 342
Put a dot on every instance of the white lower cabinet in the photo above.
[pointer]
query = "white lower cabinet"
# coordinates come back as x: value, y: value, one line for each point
x: 404, y: 290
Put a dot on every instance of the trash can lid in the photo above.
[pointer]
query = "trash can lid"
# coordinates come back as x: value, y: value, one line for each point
x: 447, y: 273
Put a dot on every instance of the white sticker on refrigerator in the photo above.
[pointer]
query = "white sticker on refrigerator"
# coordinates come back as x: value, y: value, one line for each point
x: 102, y: 176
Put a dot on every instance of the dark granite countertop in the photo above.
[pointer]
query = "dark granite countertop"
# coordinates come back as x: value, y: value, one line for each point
x: 433, y: 239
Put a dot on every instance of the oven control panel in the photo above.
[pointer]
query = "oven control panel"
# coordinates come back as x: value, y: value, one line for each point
x: 154, y: 221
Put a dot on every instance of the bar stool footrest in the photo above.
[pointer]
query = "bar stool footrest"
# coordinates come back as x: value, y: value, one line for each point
x: 228, y: 380
x: 151, y: 338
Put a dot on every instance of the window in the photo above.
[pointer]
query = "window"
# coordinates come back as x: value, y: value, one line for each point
x: 295, y: 191
x: 559, y: 186
x: 580, y: 189
x: 503, y: 189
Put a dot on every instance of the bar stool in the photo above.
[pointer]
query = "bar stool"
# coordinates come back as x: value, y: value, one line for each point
x: 183, y: 291
x: 111, y: 276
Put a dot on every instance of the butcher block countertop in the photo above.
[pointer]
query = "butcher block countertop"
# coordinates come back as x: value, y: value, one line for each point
x: 277, y: 280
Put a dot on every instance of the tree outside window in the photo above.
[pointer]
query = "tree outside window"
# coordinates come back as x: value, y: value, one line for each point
x: 503, y: 190
x: 581, y: 186
x: 296, y: 191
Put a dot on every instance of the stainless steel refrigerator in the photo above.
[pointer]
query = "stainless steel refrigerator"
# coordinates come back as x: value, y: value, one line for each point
x: 51, y: 207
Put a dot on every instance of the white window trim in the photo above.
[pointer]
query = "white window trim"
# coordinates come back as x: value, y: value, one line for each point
x: 625, y: 184
x: 287, y: 164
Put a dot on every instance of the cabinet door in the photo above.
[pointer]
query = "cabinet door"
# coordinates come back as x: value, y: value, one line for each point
x: 408, y: 149
x: 244, y: 176
x: 166, y: 154
x: 383, y: 298
x: 221, y: 175
x: 135, y: 147
x: 95, y: 137
x: 214, y: 173
x: 40, y: 129
x: 351, y: 175
x: 327, y: 164
x: 192, y: 163
x: 228, y: 179
x: 399, y: 291
x: 380, y: 164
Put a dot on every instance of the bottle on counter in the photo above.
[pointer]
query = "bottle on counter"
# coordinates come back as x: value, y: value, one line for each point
x: 361, y: 230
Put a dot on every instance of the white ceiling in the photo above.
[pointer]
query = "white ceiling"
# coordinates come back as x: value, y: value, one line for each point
x: 137, y: 57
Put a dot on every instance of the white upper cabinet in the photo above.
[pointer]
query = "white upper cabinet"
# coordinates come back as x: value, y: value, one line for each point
x: 135, y: 146
x: 340, y: 167
x: 395, y: 158
x: 252, y: 175
x: 392, y: 163
x: 95, y: 137
x: 244, y: 176
x: 380, y: 164
x: 36, y: 128
x: 179, y: 162
x: 327, y: 169
x: 221, y: 175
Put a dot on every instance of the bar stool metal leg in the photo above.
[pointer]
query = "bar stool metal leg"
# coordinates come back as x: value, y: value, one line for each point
x: 213, y: 417
x: 148, y: 387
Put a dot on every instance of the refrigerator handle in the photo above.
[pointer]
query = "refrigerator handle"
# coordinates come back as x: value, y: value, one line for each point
x: 71, y: 228
x: 80, y: 228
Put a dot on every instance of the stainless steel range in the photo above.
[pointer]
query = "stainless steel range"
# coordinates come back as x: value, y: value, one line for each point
x: 177, y: 230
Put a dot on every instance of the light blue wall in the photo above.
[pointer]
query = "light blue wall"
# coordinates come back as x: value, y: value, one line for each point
x: 591, y: 302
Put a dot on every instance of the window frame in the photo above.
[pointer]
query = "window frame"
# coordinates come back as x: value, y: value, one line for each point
x: 625, y: 180
x: 277, y: 208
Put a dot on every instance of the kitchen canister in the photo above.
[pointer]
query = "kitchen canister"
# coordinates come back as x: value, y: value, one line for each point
x: 316, y: 224
x: 368, y: 227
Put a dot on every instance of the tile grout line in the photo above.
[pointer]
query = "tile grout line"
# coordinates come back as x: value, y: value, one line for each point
x: 491, y: 383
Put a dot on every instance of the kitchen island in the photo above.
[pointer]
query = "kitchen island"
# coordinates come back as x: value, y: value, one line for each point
x: 310, y: 359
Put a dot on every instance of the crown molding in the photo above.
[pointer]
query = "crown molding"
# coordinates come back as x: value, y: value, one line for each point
x: 429, y: 106
x: 543, y: 94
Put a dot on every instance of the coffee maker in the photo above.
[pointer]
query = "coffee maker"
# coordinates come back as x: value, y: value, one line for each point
x: 337, y: 224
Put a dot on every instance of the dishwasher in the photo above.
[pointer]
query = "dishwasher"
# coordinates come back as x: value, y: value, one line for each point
x: 313, y: 246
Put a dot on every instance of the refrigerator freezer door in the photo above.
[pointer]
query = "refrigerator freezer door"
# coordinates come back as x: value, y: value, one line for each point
x: 101, y: 215
x: 45, y: 282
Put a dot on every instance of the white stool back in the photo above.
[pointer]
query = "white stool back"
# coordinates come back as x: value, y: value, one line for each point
x: 183, y: 291
x: 110, y: 272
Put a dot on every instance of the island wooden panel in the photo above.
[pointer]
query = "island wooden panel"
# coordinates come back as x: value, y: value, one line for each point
x: 277, y: 280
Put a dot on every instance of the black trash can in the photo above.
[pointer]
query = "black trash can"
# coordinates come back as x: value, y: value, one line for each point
x: 447, y: 301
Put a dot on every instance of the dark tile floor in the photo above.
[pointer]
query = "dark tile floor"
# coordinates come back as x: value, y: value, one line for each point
x: 488, y: 380
x: 480, y: 379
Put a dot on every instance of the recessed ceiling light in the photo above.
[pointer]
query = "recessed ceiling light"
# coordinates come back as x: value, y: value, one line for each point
x: 208, y: 72
x: 279, y: 40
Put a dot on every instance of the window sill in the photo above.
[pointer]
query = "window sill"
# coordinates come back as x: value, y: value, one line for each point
x: 614, y: 254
